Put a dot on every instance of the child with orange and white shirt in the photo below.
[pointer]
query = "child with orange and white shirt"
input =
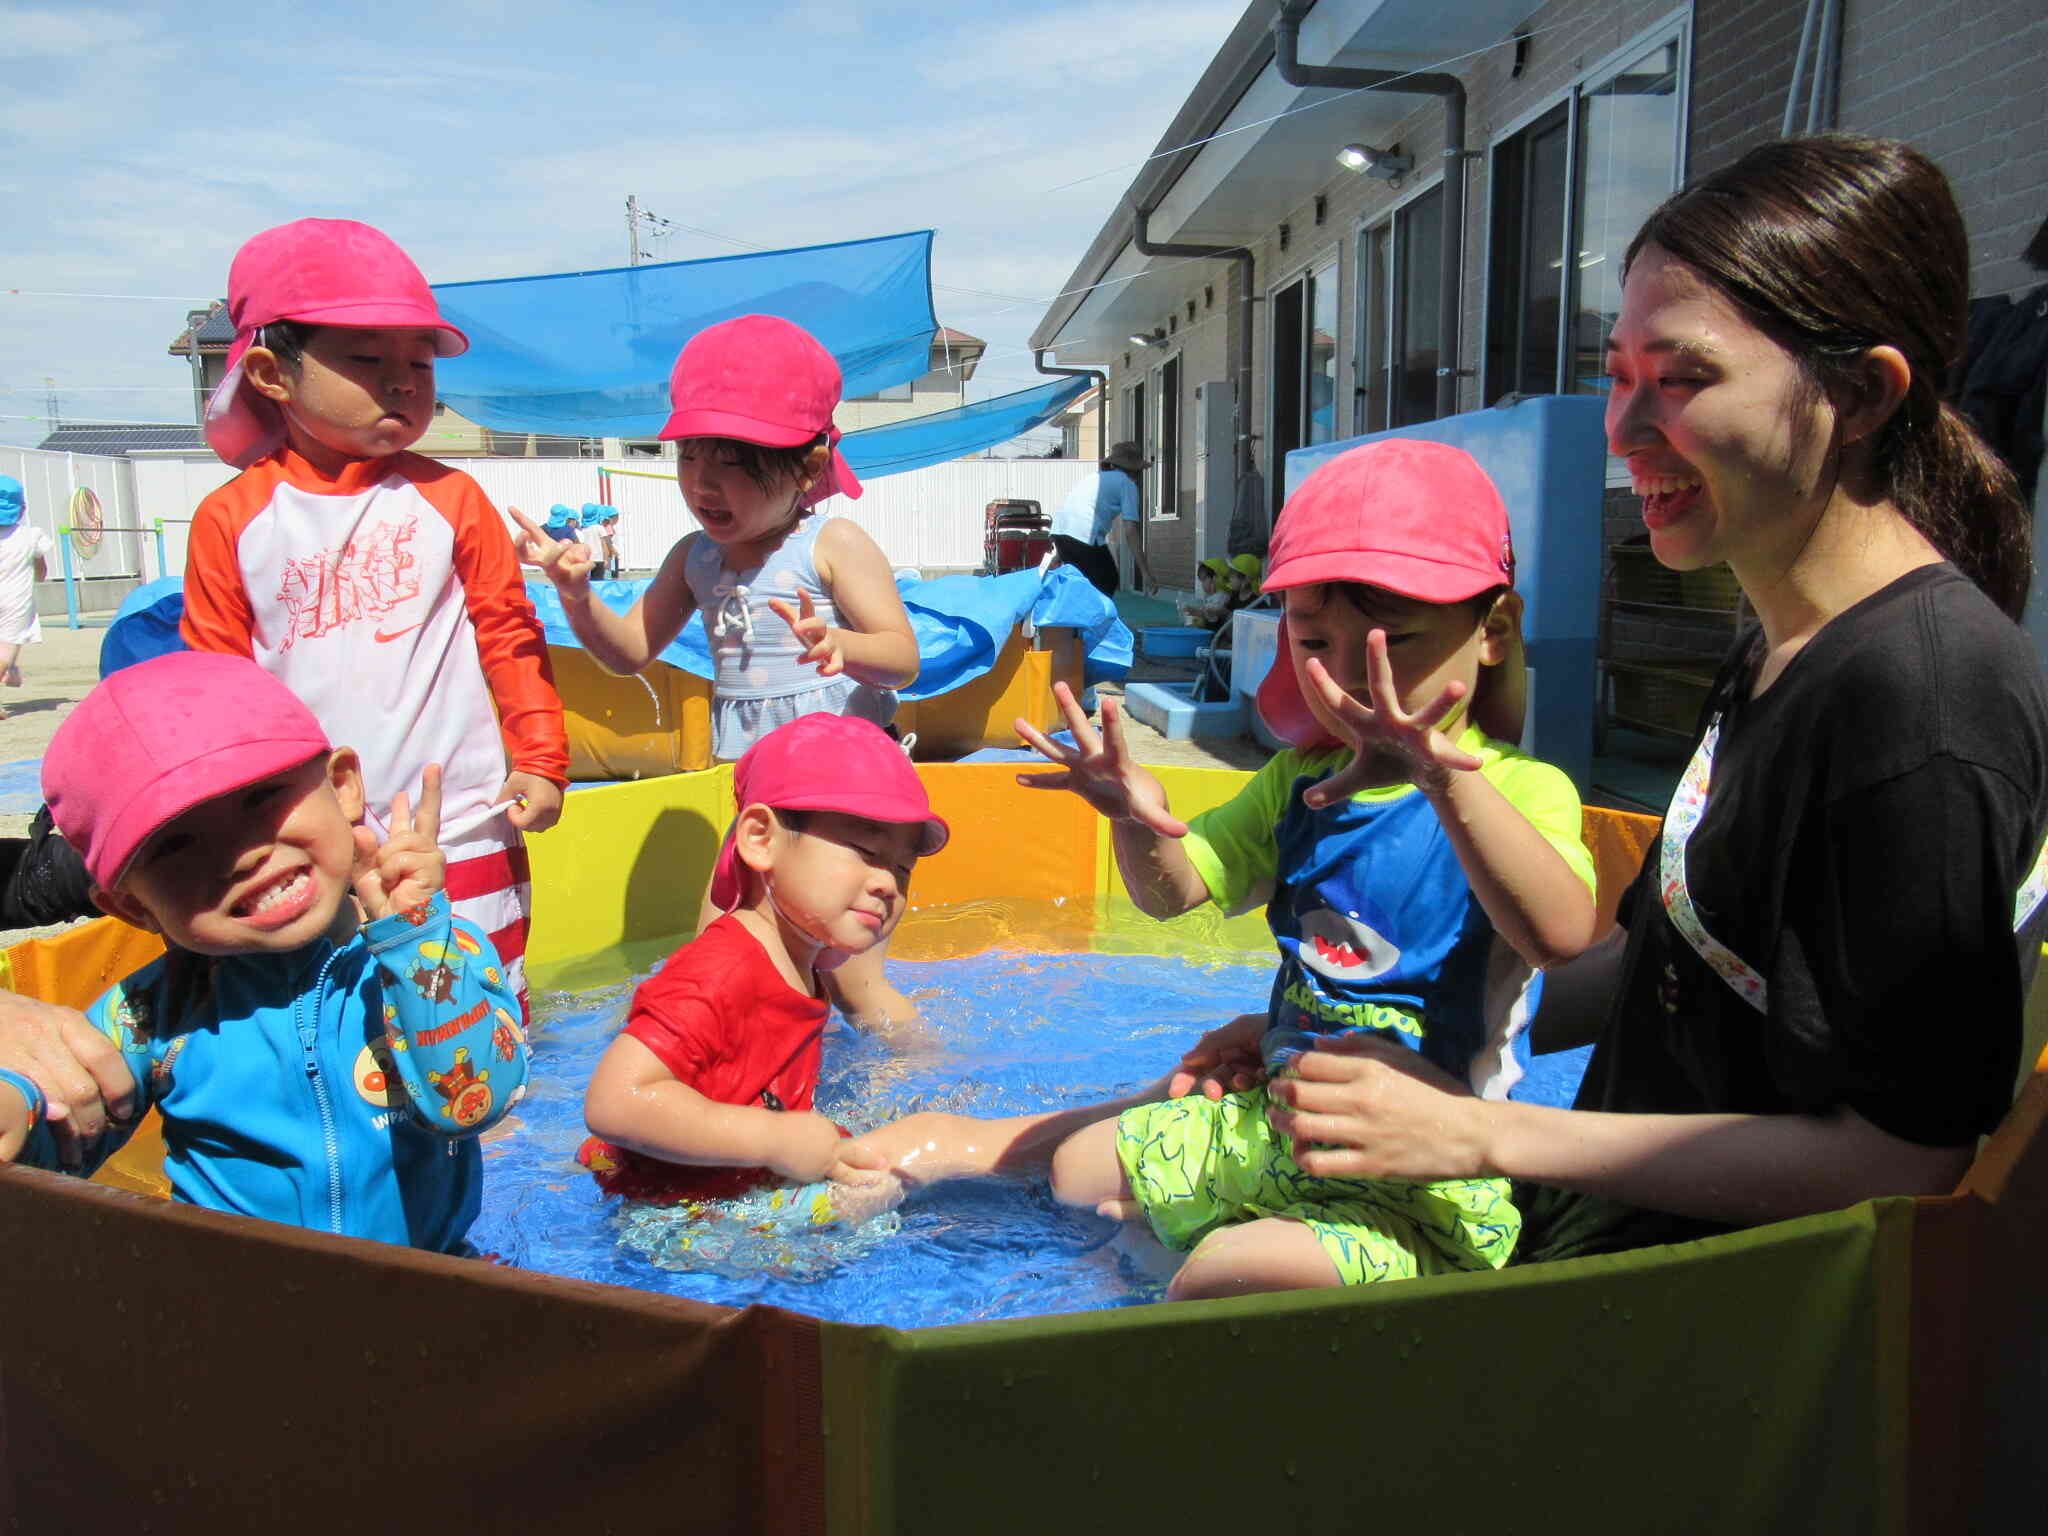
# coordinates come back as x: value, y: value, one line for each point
x: 380, y: 586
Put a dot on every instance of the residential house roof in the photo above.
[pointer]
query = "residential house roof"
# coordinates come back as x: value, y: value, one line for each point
x: 206, y: 330
x: 118, y: 439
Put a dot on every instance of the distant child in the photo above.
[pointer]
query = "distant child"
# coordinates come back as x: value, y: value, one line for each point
x: 707, y: 1092
x: 379, y: 585
x: 1218, y: 588
x: 325, y: 1042
x: 25, y: 552
x: 1414, y: 869
x: 802, y: 614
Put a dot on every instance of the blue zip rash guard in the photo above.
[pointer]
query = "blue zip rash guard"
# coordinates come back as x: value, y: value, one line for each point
x: 341, y: 1088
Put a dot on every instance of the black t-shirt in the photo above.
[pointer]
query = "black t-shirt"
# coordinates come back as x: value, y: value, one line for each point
x: 1871, y: 819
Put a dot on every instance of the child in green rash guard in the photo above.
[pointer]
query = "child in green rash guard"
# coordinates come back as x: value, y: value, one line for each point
x: 324, y: 1040
x: 1416, y: 868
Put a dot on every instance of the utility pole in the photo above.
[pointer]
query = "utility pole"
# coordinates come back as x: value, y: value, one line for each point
x: 632, y: 230
x: 50, y: 402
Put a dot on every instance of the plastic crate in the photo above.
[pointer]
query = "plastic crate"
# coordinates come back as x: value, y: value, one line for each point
x: 1660, y: 696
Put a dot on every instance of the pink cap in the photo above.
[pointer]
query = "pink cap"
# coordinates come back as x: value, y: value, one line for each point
x: 760, y: 379
x: 826, y: 763
x: 1418, y: 518
x: 318, y: 272
x: 155, y: 739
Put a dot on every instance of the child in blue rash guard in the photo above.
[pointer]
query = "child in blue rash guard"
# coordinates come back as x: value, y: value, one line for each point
x: 1416, y: 868
x: 325, y: 1041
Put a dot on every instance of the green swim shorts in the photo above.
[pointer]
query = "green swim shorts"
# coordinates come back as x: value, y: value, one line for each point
x: 1197, y: 1164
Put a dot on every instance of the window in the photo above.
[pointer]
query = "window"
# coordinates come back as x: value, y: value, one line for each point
x: 1304, y: 367
x: 1570, y: 191
x: 1400, y: 300
x: 1166, y: 459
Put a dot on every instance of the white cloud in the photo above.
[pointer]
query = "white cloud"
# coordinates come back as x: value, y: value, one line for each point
x: 26, y: 34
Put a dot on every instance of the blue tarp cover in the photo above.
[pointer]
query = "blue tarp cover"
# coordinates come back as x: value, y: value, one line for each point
x: 960, y: 622
x: 944, y: 435
x: 587, y: 354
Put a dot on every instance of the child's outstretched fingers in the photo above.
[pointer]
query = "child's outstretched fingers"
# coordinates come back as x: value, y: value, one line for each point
x: 825, y: 647
x: 1098, y: 767
x: 563, y: 562
x: 408, y: 867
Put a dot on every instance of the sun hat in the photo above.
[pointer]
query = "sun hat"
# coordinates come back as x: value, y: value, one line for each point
x: 1218, y: 567
x: 1412, y: 517
x: 764, y: 380
x: 153, y: 740
x: 826, y: 763
x: 1248, y: 566
x: 1127, y: 457
x: 318, y: 272
x: 13, y: 500
x: 563, y: 518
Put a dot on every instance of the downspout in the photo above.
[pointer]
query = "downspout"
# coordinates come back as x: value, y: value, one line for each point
x: 1241, y: 406
x: 1101, y: 396
x: 1287, y: 59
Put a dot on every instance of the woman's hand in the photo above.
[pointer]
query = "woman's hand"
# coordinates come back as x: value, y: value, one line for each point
x: 1100, y: 769
x: 1225, y: 1060
x: 564, y: 562
x: 825, y: 644
x: 1380, y: 728
x: 1357, y: 1108
x: 409, y: 867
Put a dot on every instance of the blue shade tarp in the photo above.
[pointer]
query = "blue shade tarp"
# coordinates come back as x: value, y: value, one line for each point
x: 960, y: 622
x: 587, y: 354
x: 947, y: 435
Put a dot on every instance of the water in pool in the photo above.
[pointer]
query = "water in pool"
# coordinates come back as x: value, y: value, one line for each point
x: 1017, y: 1032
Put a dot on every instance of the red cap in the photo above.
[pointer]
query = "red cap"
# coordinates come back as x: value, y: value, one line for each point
x: 760, y: 379
x: 318, y: 272
x: 1417, y: 518
x: 155, y: 739
x: 826, y: 763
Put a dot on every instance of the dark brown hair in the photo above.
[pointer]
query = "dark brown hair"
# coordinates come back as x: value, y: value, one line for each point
x: 1835, y: 245
x: 765, y: 466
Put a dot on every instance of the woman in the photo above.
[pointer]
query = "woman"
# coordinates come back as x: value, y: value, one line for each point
x: 1819, y: 984
x: 1099, y: 514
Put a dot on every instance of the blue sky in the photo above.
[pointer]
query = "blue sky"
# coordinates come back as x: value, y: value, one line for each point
x: 140, y: 145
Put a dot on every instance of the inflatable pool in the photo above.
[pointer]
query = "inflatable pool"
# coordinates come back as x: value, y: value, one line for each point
x: 170, y: 1369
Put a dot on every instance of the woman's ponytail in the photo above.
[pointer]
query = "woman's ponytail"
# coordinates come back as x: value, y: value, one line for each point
x: 1965, y: 500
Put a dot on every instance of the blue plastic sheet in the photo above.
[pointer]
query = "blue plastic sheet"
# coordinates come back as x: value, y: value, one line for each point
x: 960, y: 622
x: 587, y: 354
x: 947, y: 435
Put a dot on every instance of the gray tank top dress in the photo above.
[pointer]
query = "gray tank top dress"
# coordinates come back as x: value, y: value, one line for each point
x: 758, y: 683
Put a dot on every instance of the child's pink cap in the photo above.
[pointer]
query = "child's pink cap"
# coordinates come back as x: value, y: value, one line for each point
x: 1417, y: 518
x: 760, y: 379
x: 155, y: 739
x: 826, y: 763
x: 318, y: 272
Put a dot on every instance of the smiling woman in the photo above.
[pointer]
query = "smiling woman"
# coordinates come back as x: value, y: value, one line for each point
x: 1817, y: 994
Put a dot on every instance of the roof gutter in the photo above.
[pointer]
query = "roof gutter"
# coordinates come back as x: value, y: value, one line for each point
x: 1101, y: 395
x: 1248, y: 295
x: 1287, y: 59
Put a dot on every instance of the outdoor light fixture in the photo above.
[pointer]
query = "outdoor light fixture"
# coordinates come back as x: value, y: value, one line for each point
x: 1388, y: 164
x: 1150, y: 338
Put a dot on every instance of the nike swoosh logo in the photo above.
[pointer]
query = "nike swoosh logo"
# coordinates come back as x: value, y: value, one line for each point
x: 384, y: 639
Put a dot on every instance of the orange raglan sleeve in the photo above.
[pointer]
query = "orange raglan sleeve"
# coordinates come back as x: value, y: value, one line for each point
x: 508, y: 633
x: 217, y: 612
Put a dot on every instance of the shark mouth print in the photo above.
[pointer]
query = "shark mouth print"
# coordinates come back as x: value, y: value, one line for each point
x: 1344, y: 948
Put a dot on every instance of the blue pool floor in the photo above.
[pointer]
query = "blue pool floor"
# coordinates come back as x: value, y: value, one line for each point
x: 1017, y: 1033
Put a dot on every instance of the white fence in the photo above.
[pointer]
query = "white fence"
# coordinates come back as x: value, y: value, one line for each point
x: 928, y: 518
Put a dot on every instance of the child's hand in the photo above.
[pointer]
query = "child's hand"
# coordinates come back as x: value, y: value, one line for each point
x: 827, y: 645
x: 1225, y: 1060
x: 409, y: 868
x: 1099, y: 768
x: 538, y: 801
x: 17, y: 1119
x: 1383, y: 728
x: 810, y: 1148
x: 567, y: 564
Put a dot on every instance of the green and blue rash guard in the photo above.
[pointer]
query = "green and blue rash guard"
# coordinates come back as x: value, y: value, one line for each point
x: 341, y: 1088
x: 1377, y: 925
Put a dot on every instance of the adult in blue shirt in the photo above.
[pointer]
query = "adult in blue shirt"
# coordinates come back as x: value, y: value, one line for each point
x: 1099, y: 513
